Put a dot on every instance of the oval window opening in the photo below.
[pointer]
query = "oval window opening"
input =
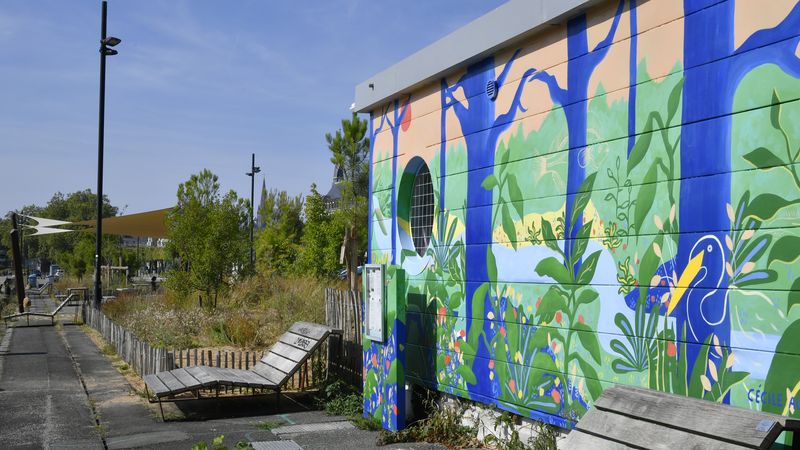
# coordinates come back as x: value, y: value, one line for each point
x: 422, y: 209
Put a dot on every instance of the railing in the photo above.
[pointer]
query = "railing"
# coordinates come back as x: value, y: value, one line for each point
x: 145, y: 359
x: 343, y: 311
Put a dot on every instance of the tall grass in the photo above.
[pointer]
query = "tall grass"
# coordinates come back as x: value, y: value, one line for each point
x: 252, y: 314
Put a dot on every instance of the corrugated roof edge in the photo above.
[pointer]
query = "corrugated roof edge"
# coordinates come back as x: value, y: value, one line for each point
x: 500, y: 27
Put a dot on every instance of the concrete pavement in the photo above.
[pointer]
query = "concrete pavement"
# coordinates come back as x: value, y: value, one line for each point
x: 57, y: 390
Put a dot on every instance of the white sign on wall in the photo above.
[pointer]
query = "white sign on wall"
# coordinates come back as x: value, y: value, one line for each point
x: 374, y: 293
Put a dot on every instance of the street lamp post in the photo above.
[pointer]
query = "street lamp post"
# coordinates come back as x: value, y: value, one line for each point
x: 105, y: 43
x: 252, y: 174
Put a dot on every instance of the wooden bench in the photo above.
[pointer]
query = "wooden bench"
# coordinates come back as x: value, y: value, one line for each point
x: 629, y: 417
x: 273, y: 371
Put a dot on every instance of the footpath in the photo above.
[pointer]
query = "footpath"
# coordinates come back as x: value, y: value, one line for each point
x: 58, y: 390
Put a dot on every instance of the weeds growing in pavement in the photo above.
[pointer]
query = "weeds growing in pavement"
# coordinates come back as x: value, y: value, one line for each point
x: 442, y: 426
x: 218, y: 444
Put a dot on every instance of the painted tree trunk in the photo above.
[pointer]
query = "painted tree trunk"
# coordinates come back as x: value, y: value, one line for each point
x: 705, y: 149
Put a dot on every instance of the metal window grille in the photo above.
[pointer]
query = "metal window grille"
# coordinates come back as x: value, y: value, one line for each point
x: 422, y: 210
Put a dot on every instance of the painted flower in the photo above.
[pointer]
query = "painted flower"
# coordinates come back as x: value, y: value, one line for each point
x: 503, y: 331
x: 457, y: 346
x: 538, y: 302
x: 580, y: 319
x: 556, y: 396
x: 388, y: 364
x: 671, y: 349
x: 462, y: 333
x: 558, y: 317
x: 512, y: 385
x: 447, y: 360
x: 491, y: 364
x: 374, y: 359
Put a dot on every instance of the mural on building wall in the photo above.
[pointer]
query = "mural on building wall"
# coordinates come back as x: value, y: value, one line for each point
x: 619, y: 205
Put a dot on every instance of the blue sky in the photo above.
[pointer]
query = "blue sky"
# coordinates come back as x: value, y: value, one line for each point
x: 197, y: 84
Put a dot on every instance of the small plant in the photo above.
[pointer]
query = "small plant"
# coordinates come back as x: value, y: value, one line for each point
x: 443, y: 426
x: 109, y: 350
x: 338, y: 398
x: 367, y: 423
x: 270, y: 425
x: 217, y: 444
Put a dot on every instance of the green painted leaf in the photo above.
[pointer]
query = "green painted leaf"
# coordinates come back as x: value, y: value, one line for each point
x: 648, y: 267
x: 765, y: 206
x: 477, y: 312
x: 586, y: 272
x: 641, y: 146
x: 794, y: 296
x: 581, y: 241
x: 647, y: 193
x: 515, y: 193
x: 588, y: 339
x: 784, y: 370
x: 582, y: 199
x: 552, y: 301
x: 592, y: 382
x: 491, y: 264
x: 587, y: 296
x: 674, y: 100
x: 508, y: 225
x: 775, y: 110
x: 551, y: 267
x: 467, y: 374
x: 490, y: 182
x: 700, y: 367
x: 762, y: 157
x: 549, y: 237
x: 787, y: 249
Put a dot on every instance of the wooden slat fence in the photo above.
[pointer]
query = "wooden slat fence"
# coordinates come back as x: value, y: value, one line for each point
x: 343, y: 311
x: 145, y: 359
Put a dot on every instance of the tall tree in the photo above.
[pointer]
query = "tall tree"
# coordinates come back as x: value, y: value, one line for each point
x: 322, y: 236
x: 278, y: 242
x: 349, y: 151
x: 208, y: 233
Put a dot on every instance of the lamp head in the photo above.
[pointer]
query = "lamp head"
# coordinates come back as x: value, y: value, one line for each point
x: 111, y: 41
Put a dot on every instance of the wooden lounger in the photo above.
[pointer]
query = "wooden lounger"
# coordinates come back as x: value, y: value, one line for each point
x: 273, y: 371
x: 51, y: 315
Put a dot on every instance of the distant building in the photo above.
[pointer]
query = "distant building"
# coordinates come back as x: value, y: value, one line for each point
x: 335, y: 192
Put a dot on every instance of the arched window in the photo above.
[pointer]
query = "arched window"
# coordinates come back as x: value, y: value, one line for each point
x: 421, y: 216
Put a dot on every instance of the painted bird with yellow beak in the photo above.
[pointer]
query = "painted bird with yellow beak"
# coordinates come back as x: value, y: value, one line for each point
x: 696, y: 296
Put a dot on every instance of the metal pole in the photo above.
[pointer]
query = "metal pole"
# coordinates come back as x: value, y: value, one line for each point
x: 252, y: 217
x: 15, y: 235
x: 98, y: 292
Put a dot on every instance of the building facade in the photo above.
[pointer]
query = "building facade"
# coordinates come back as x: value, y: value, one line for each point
x: 571, y: 195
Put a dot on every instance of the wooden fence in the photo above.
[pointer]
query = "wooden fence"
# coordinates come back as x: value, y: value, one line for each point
x: 343, y: 311
x: 145, y: 359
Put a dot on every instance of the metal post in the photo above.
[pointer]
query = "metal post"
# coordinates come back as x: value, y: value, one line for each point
x: 98, y: 292
x: 252, y: 174
x: 15, y: 235
x: 252, y: 209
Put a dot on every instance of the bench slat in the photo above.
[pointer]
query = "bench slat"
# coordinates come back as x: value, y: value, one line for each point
x: 156, y: 385
x: 186, y: 378
x: 171, y: 382
x: 286, y: 366
x: 737, y: 425
x: 298, y: 341
x: 578, y: 440
x: 312, y: 330
x: 289, y: 352
x: 640, y: 434
x: 200, y: 373
x: 270, y: 373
